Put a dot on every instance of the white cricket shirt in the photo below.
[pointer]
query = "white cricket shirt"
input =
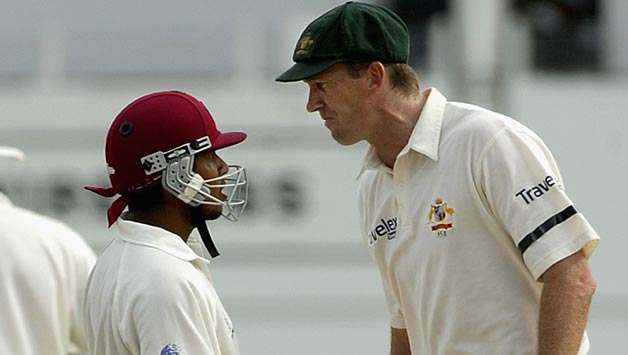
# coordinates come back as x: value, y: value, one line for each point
x: 44, y: 268
x: 471, y: 215
x: 151, y: 293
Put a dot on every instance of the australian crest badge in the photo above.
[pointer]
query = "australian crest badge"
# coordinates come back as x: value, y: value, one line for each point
x: 440, y: 218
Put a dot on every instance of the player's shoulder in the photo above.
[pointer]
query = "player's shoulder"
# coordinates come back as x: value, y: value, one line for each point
x: 464, y: 121
x: 32, y: 219
x: 138, y: 267
x: 146, y: 265
x: 367, y: 179
x: 48, y: 236
x: 35, y: 223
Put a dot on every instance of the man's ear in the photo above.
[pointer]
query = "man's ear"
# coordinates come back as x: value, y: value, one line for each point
x: 376, y: 73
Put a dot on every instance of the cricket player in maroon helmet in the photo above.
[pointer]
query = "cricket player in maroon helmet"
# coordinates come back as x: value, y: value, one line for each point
x: 151, y: 291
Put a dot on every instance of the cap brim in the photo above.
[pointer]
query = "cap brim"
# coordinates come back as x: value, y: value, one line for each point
x: 304, y: 70
x: 228, y: 139
x: 10, y: 152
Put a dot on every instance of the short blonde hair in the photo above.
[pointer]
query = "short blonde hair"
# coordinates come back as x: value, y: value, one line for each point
x: 402, y: 76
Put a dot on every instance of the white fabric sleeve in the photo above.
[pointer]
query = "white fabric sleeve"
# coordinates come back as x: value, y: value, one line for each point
x: 523, y: 187
x: 397, y: 320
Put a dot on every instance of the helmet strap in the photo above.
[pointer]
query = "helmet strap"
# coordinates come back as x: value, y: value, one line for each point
x: 201, y: 226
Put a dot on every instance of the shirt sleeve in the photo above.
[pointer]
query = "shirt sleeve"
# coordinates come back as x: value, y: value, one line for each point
x: 391, y: 293
x: 397, y: 320
x: 525, y: 191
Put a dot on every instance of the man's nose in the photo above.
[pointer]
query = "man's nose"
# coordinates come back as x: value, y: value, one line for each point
x: 223, y: 168
x: 314, y: 102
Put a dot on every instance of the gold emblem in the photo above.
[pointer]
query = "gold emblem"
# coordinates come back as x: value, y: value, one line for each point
x: 305, y: 43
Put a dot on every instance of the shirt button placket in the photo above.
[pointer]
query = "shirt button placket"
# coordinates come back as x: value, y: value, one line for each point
x: 401, y: 194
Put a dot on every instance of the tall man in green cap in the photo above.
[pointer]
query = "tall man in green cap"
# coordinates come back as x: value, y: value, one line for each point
x: 464, y: 210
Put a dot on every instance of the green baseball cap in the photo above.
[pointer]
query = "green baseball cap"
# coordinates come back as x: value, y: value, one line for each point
x: 353, y: 31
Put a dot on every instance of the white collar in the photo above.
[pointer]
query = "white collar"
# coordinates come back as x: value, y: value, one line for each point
x: 159, y: 238
x: 425, y: 137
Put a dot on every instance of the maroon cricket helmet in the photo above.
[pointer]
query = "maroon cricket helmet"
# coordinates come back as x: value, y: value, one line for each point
x: 152, y: 123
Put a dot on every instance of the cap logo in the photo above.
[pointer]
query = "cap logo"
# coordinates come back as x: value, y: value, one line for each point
x: 305, y: 43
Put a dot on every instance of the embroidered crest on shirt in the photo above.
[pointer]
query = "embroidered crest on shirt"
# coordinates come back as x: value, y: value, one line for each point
x: 441, y: 218
x: 171, y: 349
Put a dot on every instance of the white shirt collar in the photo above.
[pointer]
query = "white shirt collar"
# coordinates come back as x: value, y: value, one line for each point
x: 425, y: 137
x: 159, y: 238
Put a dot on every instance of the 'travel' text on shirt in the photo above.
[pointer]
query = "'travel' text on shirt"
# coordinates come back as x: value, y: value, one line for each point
x: 537, y: 191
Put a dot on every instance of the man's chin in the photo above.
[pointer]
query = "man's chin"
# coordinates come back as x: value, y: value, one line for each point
x: 212, y: 215
x: 343, y: 140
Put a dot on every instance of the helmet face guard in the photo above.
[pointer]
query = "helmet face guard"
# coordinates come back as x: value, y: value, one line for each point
x: 182, y: 181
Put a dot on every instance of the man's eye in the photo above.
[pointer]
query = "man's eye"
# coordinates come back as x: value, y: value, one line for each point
x: 321, y: 86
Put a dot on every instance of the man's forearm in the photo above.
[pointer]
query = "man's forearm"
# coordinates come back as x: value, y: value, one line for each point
x: 399, y: 343
x: 567, y: 292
